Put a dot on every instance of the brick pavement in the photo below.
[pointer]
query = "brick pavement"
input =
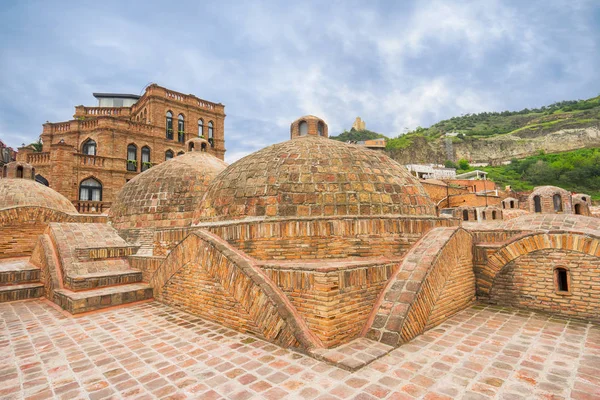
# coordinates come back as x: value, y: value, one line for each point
x: 152, y: 351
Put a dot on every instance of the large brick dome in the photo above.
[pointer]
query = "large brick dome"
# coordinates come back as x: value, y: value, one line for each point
x: 167, y: 194
x: 314, y: 176
x: 29, y: 193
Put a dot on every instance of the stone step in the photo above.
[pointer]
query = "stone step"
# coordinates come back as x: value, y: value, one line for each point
x: 102, y: 279
x: 95, y: 299
x: 17, y: 271
x: 21, y: 292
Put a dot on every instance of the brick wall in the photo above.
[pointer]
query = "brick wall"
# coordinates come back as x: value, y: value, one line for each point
x: 529, y: 282
x: 335, y: 301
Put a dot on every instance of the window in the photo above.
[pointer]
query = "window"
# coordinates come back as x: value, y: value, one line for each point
x: 537, y: 204
x: 168, y: 155
x: 561, y: 279
x: 303, y: 128
x: 132, y: 157
x: 200, y: 128
x: 512, y: 204
x: 146, y: 158
x: 89, y: 147
x: 180, y: 129
x: 90, y: 190
x: 19, y: 171
x: 577, y: 208
x: 203, y: 147
x: 483, y: 215
x: 169, y: 125
x: 465, y: 215
x: 583, y: 198
x: 33, y: 173
x: 503, y: 205
x: 4, y: 171
x: 211, y: 134
x: 557, y: 200
x: 494, y: 215
x: 321, y: 128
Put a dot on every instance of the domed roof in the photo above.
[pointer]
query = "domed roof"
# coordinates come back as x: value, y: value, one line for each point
x: 553, y: 222
x: 166, y: 194
x: 29, y: 193
x: 314, y: 176
x: 548, y: 191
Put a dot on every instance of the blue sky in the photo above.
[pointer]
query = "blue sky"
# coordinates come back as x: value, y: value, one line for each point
x: 397, y: 64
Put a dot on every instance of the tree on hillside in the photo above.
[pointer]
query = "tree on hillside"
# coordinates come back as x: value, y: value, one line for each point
x: 354, y: 135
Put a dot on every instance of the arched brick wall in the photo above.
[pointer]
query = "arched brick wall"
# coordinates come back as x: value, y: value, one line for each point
x: 525, y: 244
x: 434, y: 281
x: 205, y: 276
x: 522, y: 274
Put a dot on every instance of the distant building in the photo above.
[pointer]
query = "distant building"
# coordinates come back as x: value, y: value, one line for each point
x: 7, y: 154
x: 473, y: 175
x: 359, y: 124
x: 431, y: 171
x: 89, y: 158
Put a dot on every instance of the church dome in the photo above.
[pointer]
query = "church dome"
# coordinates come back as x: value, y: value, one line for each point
x: 166, y: 194
x: 29, y: 193
x: 314, y: 176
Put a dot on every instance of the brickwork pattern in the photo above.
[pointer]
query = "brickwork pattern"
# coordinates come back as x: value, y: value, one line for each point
x: 546, y: 195
x: 226, y: 273
x: 314, y: 176
x: 434, y: 281
x: 165, y: 195
x: 153, y: 351
x: 529, y: 282
x: 28, y: 193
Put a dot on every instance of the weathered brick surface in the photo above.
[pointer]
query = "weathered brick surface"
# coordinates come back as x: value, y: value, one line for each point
x: 334, y: 298
x: 314, y: 176
x: 529, y: 282
x: 165, y: 195
x: 546, y: 194
x: 434, y: 281
x: 234, y: 283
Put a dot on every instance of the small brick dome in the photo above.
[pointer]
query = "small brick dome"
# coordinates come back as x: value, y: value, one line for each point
x: 29, y: 193
x: 314, y: 176
x: 309, y: 125
x: 167, y: 194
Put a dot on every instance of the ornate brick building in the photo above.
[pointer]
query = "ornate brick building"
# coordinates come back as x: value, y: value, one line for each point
x: 89, y: 158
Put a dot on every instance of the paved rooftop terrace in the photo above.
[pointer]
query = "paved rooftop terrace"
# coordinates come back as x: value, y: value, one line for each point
x: 149, y: 350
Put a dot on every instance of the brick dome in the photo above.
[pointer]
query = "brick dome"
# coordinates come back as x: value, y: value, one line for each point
x: 29, y: 193
x: 167, y: 194
x: 314, y: 176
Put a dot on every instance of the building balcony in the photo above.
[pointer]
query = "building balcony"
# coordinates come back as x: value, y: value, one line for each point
x: 36, y: 159
x: 86, y: 160
x: 91, y: 207
x: 83, y: 111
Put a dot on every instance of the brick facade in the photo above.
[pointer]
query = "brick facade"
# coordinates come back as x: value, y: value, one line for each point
x: 64, y: 165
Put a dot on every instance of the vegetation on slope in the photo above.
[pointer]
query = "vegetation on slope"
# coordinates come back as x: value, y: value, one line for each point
x: 576, y: 171
x: 524, y: 123
x: 354, y: 135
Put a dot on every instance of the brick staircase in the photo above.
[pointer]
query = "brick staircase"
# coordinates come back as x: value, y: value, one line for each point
x: 19, y: 280
x: 93, y: 271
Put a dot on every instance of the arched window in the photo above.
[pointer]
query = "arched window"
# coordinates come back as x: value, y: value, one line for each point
x: 180, y: 153
x: 169, y: 125
x: 180, y: 129
x: 89, y: 147
x: 42, y: 180
x: 203, y: 147
x: 557, y: 200
x: 168, y: 155
x: 200, y: 128
x: 577, y: 208
x: 465, y: 215
x: 583, y: 198
x: 19, y: 171
x: 146, y: 158
x: 211, y: 134
x: 493, y: 214
x: 321, y: 128
x: 303, y: 128
x: 90, y: 190
x: 132, y: 157
x: 561, y: 279
x: 537, y: 204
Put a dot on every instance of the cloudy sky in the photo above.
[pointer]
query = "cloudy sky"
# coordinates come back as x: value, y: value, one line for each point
x: 397, y: 64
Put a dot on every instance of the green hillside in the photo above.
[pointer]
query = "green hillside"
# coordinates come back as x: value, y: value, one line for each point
x: 576, y: 171
x: 354, y: 135
x: 524, y: 123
